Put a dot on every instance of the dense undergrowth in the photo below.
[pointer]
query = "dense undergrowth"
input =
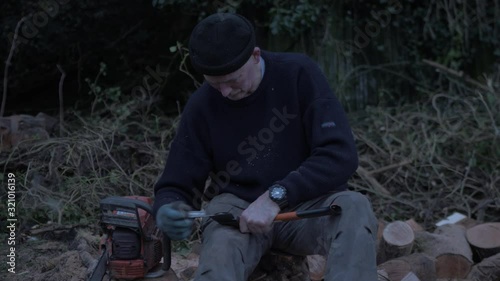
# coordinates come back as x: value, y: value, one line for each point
x: 422, y: 160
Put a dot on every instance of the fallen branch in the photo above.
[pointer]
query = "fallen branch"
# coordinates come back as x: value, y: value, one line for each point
x: 390, y: 167
x: 459, y: 74
x: 363, y: 173
x: 8, y: 63
x: 61, y: 105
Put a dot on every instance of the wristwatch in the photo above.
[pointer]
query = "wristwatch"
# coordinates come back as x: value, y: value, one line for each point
x: 277, y: 193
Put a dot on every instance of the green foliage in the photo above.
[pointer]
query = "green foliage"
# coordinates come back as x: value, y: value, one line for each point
x: 294, y: 17
x: 110, y: 107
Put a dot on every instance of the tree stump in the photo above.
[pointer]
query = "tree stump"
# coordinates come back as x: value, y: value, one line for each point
x: 421, y: 265
x: 487, y: 270
x: 484, y: 240
x: 397, y: 240
x: 450, y: 248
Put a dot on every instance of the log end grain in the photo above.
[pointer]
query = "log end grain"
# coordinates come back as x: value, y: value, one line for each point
x: 484, y: 239
x: 486, y: 235
x: 398, y: 233
x: 452, y: 266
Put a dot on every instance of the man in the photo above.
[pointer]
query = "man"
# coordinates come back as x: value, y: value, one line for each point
x: 271, y: 135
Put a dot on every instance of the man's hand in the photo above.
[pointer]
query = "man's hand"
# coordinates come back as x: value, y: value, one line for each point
x: 172, y: 220
x: 259, y: 216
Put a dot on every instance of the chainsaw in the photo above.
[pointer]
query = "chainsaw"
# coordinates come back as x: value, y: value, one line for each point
x: 132, y: 246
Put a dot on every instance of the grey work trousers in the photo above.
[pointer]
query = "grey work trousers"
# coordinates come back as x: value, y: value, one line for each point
x: 348, y: 240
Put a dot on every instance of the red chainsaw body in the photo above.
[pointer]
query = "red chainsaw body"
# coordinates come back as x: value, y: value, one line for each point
x: 133, y: 251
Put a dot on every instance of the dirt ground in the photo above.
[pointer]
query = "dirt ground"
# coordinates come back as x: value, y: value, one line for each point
x: 58, y: 255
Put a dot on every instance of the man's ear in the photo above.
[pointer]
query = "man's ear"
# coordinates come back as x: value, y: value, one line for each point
x: 256, y: 54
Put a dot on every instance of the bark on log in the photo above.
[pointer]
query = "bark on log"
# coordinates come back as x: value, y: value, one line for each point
x: 450, y: 248
x: 487, y: 270
x: 422, y: 265
x: 415, y: 226
x: 397, y: 241
x: 468, y: 223
x: 484, y: 240
x: 381, y: 226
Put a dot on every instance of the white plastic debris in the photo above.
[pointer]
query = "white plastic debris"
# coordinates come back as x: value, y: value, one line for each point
x: 451, y: 219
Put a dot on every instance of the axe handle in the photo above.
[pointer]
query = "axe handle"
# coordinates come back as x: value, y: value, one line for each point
x: 297, y: 215
x: 167, y: 252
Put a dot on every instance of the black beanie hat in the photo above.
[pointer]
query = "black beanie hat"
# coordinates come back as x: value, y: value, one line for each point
x: 221, y: 44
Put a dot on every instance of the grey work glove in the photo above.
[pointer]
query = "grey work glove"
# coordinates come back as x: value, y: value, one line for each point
x: 172, y: 220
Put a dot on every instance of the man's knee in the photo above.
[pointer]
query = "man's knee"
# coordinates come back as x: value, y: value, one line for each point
x: 352, y: 199
x: 357, y: 208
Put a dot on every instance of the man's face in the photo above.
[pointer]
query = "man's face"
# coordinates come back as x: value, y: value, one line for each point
x: 240, y: 83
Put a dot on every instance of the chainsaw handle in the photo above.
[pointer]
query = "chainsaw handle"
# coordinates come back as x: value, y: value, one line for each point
x: 296, y: 215
x: 113, y: 202
x: 167, y: 253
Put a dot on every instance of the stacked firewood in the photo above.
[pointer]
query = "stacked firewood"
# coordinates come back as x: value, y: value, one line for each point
x: 21, y: 129
x: 465, y: 250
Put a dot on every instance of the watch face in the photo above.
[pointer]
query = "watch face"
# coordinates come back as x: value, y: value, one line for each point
x: 277, y: 193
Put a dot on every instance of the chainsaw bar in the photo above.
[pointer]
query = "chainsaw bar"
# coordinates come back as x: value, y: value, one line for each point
x: 100, y: 269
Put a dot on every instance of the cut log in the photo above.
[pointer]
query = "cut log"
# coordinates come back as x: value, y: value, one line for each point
x: 397, y: 240
x: 484, y: 240
x: 316, y: 264
x: 410, y: 277
x: 487, y: 270
x: 415, y: 226
x: 450, y: 248
x: 382, y: 275
x: 380, y: 230
x: 422, y: 265
x: 468, y: 223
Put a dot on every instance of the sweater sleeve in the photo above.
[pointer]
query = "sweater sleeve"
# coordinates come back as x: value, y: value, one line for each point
x: 333, y: 157
x: 187, y: 166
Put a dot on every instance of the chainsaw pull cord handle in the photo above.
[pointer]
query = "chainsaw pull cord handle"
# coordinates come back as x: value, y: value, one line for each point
x: 296, y: 215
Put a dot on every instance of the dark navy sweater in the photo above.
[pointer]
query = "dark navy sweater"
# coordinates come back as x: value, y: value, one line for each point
x: 292, y: 131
